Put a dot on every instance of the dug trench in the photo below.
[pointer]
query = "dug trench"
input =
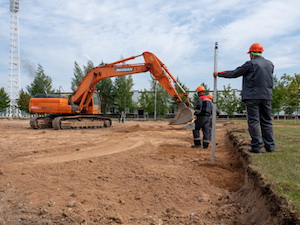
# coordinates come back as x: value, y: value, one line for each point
x: 137, y: 172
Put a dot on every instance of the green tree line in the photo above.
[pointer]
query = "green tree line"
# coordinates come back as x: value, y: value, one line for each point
x: 117, y: 93
x: 286, y: 95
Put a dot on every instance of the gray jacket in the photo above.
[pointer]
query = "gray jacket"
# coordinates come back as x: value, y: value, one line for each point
x: 203, y: 106
x: 257, y: 78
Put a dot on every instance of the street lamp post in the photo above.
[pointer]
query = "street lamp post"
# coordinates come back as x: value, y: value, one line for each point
x: 155, y: 100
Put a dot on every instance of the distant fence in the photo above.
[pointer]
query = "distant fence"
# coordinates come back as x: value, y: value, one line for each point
x: 20, y: 114
x: 23, y: 114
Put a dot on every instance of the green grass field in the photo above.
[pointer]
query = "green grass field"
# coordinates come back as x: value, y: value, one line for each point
x: 282, y: 168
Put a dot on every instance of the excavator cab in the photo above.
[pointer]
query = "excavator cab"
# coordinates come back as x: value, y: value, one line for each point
x: 95, y: 103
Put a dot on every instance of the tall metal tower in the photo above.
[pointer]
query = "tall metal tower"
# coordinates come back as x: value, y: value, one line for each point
x: 14, y: 60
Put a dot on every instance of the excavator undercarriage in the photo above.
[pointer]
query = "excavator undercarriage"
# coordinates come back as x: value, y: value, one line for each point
x: 63, y: 122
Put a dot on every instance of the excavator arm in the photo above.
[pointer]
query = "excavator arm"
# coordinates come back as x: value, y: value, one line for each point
x: 152, y: 64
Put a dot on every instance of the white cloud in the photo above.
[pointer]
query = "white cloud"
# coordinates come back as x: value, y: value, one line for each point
x: 181, y: 33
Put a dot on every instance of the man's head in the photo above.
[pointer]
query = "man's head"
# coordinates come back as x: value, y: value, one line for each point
x: 210, y: 96
x: 255, y: 50
x: 201, y: 90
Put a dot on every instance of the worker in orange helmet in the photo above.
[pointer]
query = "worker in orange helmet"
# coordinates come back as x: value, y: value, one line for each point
x: 203, y: 110
x: 257, y: 94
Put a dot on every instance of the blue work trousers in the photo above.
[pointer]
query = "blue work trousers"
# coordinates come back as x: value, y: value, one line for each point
x: 202, y: 123
x: 259, y: 113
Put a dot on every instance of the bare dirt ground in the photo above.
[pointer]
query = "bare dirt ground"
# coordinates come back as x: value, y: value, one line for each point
x: 132, y: 173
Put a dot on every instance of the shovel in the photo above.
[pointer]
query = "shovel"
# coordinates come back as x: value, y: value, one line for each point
x: 184, y: 115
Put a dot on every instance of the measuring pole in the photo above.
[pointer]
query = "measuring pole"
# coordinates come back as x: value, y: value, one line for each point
x: 214, y: 113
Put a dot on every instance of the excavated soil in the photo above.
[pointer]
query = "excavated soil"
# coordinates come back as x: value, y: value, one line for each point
x: 137, y: 172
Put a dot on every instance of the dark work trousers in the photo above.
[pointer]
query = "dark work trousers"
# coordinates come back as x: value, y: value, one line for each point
x: 202, y: 122
x: 259, y: 112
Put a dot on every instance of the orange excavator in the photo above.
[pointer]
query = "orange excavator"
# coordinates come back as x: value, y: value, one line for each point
x: 82, y: 108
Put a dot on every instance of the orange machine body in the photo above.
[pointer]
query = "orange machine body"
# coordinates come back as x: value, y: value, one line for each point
x: 49, y: 105
x: 45, y: 103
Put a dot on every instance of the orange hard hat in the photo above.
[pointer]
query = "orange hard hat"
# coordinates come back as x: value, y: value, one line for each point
x: 210, y: 96
x: 256, y: 47
x: 201, y: 88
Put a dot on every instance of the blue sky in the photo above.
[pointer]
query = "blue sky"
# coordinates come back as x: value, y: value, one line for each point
x: 180, y: 33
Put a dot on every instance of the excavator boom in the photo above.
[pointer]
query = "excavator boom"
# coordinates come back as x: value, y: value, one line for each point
x: 83, y: 102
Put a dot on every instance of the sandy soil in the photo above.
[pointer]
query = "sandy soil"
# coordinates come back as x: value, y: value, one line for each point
x: 132, y: 173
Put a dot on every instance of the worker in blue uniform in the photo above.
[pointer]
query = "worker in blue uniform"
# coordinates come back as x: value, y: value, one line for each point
x: 203, y: 111
x: 257, y: 76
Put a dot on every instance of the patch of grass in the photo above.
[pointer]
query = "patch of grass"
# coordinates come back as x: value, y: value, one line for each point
x: 280, y: 122
x: 282, y: 168
x: 240, y: 121
x: 286, y: 122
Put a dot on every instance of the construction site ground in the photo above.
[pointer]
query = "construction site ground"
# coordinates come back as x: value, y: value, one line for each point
x: 137, y: 172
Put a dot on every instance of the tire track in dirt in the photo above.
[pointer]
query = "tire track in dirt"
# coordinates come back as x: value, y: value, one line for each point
x: 88, y: 152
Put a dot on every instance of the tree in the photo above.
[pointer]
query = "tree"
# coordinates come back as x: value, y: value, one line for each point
x: 122, y: 92
x: 23, y: 101
x: 277, y: 96
x: 105, y: 89
x: 241, y: 107
x: 295, y: 93
x: 41, y: 83
x: 79, y: 74
x: 291, y: 93
x: 156, y: 99
x: 161, y: 97
x: 106, y: 92
x: 174, y: 103
x: 88, y: 67
x: 4, y: 100
x: 146, y: 101
x: 228, y: 101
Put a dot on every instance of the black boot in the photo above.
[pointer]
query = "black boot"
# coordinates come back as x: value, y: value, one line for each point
x: 197, y: 144
x: 205, y: 145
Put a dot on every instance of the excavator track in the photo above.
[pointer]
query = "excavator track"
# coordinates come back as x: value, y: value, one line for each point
x: 70, y: 122
x: 41, y: 122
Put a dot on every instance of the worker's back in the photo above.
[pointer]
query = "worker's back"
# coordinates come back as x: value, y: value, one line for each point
x: 258, y: 82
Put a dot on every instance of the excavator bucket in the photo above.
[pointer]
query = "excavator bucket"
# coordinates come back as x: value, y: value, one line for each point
x: 184, y: 115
